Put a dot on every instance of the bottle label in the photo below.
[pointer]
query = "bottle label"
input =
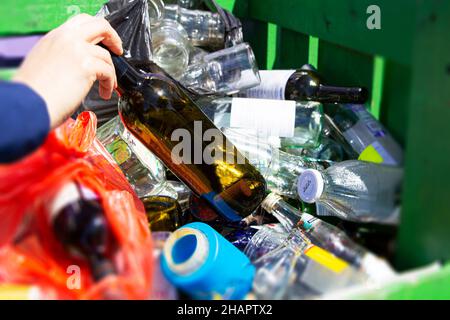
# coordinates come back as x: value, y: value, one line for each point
x: 273, y: 85
x: 308, y: 221
x: 377, y: 154
x: 266, y: 117
x: 326, y: 259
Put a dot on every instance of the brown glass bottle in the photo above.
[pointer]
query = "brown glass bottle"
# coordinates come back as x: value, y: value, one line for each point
x: 152, y: 107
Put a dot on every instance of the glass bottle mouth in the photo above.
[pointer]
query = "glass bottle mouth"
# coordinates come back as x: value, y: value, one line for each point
x: 155, y: 10
x: 269, y: 203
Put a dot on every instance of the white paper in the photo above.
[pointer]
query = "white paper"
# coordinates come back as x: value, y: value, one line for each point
x: 273, y: 85
x: 267, y: 117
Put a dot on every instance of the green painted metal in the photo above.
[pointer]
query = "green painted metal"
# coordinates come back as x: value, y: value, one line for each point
x: 39, y: 16
x: 292, y: 49
x: 344, y: 23
x: 423, y: 285
x: 313, y: 55
x: 271, y: 45
x: 406, y: 64
x: 425, y: 232
x: 377, y: 85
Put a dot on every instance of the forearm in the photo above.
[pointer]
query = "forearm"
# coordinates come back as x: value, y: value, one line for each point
x: 24, y: 121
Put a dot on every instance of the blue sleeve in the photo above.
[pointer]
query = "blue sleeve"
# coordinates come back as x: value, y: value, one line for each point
x: 24, y: 121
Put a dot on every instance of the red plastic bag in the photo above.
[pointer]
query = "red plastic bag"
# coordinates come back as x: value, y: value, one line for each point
x: 30, y: 254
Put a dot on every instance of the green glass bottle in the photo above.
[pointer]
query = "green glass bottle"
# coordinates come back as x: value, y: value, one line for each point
x: 154, y: 108
x: 163, y: 213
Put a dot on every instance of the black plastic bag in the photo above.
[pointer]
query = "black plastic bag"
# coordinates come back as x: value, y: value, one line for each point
x: 130, y: 18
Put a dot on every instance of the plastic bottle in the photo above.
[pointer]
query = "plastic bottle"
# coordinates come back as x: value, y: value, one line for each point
x: 354, y: 190
x: 199, y: 261
x: 328, y: 237
x: 300, y: 270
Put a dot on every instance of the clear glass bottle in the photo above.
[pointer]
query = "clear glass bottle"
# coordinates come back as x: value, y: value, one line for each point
x: 296, y: 123
x: 354, y: 190
x: 297, y: 269
x: 197, y: 55
x: 225, y: 71
x: 205, y: 29
x: 155, y: 11
x: 268, y: 238
x: 367, y: 138
x: 328, y: 150
x: 280, y: 169
x: 170, y: 47
x: 145, y: 172
x: 328, y: 237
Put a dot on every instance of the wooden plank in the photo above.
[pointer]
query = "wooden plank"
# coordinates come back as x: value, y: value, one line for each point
x: 425, y: 226
x: 345, y: 23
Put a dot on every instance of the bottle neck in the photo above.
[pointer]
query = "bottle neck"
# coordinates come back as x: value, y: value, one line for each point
x: 285, y: 213
x: 355, y: 95
x: 127, y: 76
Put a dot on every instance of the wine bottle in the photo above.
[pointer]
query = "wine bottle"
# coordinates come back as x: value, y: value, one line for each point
x: 303, y: 85
x: 156, y: 110
x: 79, y: 223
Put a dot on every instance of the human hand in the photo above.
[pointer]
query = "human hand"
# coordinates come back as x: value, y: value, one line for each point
x: 64, y: 65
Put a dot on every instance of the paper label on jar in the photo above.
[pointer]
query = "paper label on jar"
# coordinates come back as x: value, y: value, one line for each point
x: 267, y: 117
x: 273, y: 85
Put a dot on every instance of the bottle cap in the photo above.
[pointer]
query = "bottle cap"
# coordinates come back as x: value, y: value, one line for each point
x: 270, y: 201
x: 310, y: 186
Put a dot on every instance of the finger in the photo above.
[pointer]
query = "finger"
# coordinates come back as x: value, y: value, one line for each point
x: 105, y: 74
x: 99, y: 30
x: 104, y: 55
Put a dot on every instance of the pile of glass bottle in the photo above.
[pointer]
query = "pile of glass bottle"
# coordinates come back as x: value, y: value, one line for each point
x: 326, y: 161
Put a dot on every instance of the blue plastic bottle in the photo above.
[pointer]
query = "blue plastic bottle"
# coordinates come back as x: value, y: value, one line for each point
x: 202, y: 263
